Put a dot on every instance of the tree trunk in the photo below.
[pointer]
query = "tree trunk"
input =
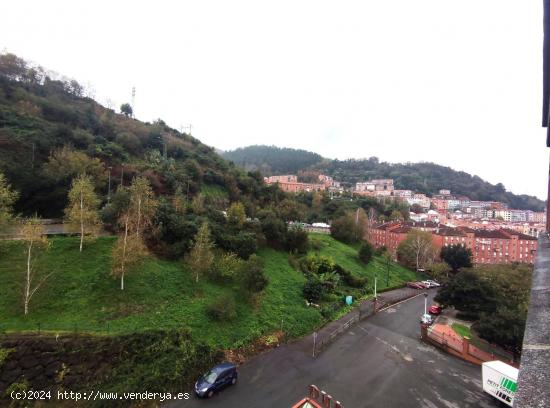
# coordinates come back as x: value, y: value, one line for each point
x: 124, y: 254
x: 138, y: 217
x: 81, y: 220
x: 28, y: 283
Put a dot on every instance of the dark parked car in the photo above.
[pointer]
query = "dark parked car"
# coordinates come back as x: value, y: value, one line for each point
x: 216, y: 379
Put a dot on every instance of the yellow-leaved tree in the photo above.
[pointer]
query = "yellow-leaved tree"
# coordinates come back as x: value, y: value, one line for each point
x: 82, y: 211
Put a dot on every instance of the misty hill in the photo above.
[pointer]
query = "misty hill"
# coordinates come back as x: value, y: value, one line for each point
x: 426, y: 178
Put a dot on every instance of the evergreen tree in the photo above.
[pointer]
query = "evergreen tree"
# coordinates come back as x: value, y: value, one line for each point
x: 7, y: 199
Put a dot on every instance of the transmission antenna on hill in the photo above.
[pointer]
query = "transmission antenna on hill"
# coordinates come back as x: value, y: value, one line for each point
x: 133, y: 101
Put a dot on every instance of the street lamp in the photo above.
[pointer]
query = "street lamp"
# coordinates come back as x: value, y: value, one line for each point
x: 425, y: 303
x: 375, y: 281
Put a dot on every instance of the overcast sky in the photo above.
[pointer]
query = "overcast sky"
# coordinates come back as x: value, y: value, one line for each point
x: 458, y: 83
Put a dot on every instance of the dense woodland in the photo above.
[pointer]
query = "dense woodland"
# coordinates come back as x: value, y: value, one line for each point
x: 426, y: 178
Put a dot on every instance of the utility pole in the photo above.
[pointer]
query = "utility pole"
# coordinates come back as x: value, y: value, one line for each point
x: 375, y: 283
x: 133, y: 101
x: 425, y: 303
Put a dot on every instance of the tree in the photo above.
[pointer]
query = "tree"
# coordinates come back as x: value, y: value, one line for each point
x: 366, y: 252
x: 67, y: 163
x: 417, y: 249
x: 201, y: 257
x: 236, y: 215
x: 469, y: 293
x: 253, y: 277
x: 396, y: 216
x: 457, y: 256
x: 7, y: 199
x: 179, y: 201
x: 351, y: 227
x: 32, y: 235
x: 82, y: 210
x: 143, y: 205
x: 127, y: 251
x: 386, y: 255
x: 296, y: 240
x: 126, y: 109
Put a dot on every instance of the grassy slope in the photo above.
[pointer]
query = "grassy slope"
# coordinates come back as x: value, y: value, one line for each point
x: 82, y: 294
x: 346, y: 256
x: 158, y: 294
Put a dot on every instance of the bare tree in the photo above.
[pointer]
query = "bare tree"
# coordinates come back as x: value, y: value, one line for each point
x: 127, y: 251
x: 32, y: 235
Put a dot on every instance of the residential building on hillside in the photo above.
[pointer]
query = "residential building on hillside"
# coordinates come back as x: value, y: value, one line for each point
x: 281, y: 179
x: 375, y: 185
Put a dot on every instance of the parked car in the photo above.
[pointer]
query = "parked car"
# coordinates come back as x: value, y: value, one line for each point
x: 216, y: 379
x: 433, y: 283
x: 422, y: 285
x: 426, y: 318
x: 434, y: 309
x: 414, y: 285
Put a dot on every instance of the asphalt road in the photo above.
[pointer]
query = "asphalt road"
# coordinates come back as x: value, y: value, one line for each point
x: 378, y: 363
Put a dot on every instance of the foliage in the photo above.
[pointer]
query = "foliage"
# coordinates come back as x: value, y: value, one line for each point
x: 142, y: 206
x: 366, y: 252
x: 416, y: 250
x: 126, y: 109
x: 82, y: 211
x: 201, y: 257
x: 317, y: 264
x: 351, y: 227
x: 128, y: 250
x: 222, y: 309
x: 225, y: 268
x: 469, y: 293
x: 296, y: 240
x: 272, y: 160
x: 7, y: 199
x: 253, y: 277
x: 313, y: 290
x: 236, y: 215
x: 457, y: 256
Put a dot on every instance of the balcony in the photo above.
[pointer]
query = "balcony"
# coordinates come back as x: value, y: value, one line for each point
x: 534, y: 372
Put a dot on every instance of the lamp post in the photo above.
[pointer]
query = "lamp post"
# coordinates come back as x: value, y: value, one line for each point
x: 425, y: 303
x: 375, y: 282
x: 109, y: 188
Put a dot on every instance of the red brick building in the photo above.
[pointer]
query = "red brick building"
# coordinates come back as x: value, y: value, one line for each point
x: 488, y: 247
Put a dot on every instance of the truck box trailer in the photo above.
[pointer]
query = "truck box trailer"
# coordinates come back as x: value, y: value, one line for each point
x: 500, y: 380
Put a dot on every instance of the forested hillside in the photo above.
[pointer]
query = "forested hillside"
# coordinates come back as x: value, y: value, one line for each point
x: 426, y: 178
x: 49, y: 132
x: 271, y: 160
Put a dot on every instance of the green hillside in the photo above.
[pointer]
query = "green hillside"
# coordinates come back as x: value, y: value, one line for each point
x: 426, y: 178
x: 82, y: 296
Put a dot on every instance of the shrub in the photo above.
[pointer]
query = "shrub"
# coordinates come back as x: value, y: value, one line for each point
x: 313, y: 290
x: 366, y: 252
x: 225, y: 268
x: 350, y: 279
x: 223, y: 309
x: 317, y: 264
x: 296, y: 240
x: 253, y: 277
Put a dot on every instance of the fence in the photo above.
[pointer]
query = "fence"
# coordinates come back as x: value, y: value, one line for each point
x: 463, y: 348
x: 329, y: 333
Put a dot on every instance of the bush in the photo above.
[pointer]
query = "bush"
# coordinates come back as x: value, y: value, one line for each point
x: 253, y: 277
x: 225, y: 268
x: 223, y: 309
x: 317, y: 264
x: 313, y: 290
x: 296, y: 240
x: 366, y: 252
x: 327, y: 311
x: 350, y: 279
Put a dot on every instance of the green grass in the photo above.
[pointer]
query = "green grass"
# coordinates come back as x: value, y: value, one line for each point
x: 81, y: 295
x: 346, y: 256
x: 461, y: 330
